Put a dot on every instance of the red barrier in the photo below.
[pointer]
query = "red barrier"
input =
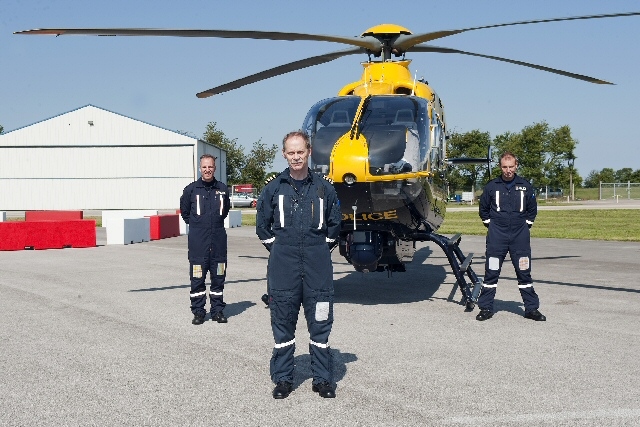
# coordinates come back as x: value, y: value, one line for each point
x: 19, y: 235
x: 52, y: 215
x: 163, y: 226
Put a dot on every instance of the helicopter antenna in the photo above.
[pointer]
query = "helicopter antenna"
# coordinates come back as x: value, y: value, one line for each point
x: 413, y: 89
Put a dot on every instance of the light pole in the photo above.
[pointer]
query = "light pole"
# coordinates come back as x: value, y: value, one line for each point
x: 570, y: 161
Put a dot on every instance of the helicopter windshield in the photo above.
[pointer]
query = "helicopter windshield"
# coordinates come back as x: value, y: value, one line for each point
x: 396, y: 129
x: 327, y: 121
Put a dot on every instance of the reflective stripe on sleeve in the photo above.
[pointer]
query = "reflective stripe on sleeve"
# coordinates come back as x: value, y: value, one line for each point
x: 285, y: 344
x: 270, y: 240
x: 317, y: 344
x: 529, y: 222
x: 281, y: 208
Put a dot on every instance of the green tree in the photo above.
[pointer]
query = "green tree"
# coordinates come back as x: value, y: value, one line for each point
x: 594, y: 178
x: 1, y: 130
x: 542, y: 153
x: 235, y: 153
x: 255, y: 168
x: 623, y: 175
x: 470, y: 144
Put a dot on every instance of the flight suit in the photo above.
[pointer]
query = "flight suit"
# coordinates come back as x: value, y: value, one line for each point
x: 508, y: 209
x: 204, y: 206
x: 298, y: 223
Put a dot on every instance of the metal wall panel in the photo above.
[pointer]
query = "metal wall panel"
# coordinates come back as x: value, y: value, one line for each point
x: 91, y: 194
x: 95, y: 159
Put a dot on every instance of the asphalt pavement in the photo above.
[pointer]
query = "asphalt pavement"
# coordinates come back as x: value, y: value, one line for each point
x: 103, y: 336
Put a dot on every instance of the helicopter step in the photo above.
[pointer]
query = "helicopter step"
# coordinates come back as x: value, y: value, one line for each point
x: 460, y: 265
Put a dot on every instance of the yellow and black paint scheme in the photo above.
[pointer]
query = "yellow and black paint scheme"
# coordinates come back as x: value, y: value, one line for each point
x: 382, y: 142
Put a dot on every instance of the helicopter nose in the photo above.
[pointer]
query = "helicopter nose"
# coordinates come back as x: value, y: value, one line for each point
x: 349, y: 159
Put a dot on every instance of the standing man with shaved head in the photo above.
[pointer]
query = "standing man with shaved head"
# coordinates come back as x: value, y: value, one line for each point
x: 508, y: 208
x: 204, y: 205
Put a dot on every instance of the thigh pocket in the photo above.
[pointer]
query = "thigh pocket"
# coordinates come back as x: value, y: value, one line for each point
x: 523, y: 260
x: 323, y: 306
x: 282, y: 306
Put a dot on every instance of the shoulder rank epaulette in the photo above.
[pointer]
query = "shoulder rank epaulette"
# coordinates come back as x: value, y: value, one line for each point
x: 271, y: 178
x: 328, y: 179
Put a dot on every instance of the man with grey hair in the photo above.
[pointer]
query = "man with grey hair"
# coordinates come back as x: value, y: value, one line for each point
x: 298, y: 221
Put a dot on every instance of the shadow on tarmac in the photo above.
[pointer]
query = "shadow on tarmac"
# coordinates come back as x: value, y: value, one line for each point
x: 302, y: 371
x: 418, y: 283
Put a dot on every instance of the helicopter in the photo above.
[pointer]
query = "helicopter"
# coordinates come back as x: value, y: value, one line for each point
x: 381, y: 140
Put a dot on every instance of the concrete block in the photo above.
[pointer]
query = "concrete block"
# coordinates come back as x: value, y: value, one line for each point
x: 125, y: 231
x: 163, y: 226
x: 53, y: 215
x: 184, y: 227
x: 20, y: 235
x: 126, y: 213
x: 234, y: 219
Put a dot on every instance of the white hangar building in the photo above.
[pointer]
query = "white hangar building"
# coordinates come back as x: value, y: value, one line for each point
x: 92, y: 158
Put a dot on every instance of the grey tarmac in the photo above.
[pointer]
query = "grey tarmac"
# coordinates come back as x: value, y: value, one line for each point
x: 103, y: 336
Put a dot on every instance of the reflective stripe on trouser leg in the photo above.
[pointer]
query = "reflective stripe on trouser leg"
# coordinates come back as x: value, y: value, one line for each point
x: 318, y: 310
x: 529, y: 297
x: 218, y: 275
x: 488, y: 294
x: 319, y: 330
x: 493, y: 266
x: 198, y: 293
x: 285, y: 292
x: 281, y: 364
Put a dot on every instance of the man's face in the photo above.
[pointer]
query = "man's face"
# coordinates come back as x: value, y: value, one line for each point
x: 508, y: 166
x: 297, y: 154
x: 207, y: 168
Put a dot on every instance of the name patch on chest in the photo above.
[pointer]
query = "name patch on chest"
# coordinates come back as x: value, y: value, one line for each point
x: 520, y: 188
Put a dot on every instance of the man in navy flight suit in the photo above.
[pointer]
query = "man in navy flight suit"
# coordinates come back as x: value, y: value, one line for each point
x: 298, y: 221
x: 204, y: 205
x: 508, y: 209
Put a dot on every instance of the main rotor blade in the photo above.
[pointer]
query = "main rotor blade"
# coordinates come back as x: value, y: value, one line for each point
x: 364, y: 42
x: 405, y: 42
x: 282, y: 69
x: 436, y: 49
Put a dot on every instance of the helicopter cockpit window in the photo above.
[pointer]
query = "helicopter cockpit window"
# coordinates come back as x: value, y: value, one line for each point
x: 325, y: 123
x: 396, y: 130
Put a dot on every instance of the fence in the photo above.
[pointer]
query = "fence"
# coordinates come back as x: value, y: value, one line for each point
x: 619, y: 190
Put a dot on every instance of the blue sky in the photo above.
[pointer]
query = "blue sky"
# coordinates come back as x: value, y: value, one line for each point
x: 155, y: 79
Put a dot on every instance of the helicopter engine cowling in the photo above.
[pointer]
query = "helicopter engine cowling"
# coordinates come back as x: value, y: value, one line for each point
x: 364, y: 250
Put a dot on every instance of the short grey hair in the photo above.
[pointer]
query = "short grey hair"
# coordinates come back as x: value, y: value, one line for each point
x: 299, y: 133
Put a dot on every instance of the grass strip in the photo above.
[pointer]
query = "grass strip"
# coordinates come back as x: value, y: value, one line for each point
x: 585, y: 224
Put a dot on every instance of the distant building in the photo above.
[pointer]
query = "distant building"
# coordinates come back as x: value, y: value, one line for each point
x: 92, y: 158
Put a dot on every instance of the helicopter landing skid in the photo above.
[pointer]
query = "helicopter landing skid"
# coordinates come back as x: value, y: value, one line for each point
x: 461, y: 266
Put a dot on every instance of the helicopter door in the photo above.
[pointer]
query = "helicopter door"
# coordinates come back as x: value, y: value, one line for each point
x: 437, y: 143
